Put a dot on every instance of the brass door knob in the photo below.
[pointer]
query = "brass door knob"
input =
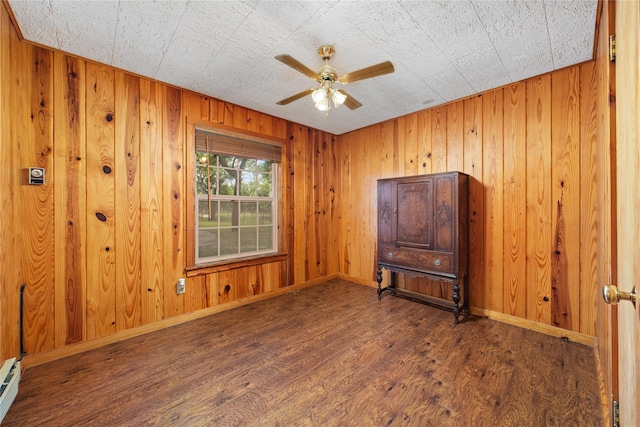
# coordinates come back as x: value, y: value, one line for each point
x: 612, y: 295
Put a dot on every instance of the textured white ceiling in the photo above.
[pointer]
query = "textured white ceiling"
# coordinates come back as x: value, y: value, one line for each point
x: 441, y: 50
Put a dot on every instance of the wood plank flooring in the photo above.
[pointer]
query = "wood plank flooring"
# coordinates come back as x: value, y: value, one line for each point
x: 328, y: 355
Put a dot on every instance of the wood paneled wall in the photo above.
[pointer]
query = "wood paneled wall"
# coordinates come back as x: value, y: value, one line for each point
x: 102, y: 243
x: 530, y: 149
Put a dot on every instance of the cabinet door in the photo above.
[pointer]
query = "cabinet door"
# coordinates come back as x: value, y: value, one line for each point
x: 414, y: 225
x: 386, y: 212
x: 445, y: 212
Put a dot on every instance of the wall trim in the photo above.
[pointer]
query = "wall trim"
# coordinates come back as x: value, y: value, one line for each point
x: 535, y: 326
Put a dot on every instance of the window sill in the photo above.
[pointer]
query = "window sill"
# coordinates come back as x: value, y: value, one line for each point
x: 197, y: 270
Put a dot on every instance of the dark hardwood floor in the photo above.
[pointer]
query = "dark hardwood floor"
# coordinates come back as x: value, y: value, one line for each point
x: 331, y: 354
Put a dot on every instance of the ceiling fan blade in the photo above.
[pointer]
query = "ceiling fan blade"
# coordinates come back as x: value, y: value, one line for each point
x: 366, y: 73
x: 350, y: 102
x: 295, y: 97
x: 298, y: 66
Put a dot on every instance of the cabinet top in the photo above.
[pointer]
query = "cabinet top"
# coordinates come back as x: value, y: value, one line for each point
x: 395, y: 178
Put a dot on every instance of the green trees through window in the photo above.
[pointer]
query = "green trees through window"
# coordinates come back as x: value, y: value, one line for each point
x: 236, y: 206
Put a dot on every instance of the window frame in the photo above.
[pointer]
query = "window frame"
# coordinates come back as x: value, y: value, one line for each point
x: 192, y: 261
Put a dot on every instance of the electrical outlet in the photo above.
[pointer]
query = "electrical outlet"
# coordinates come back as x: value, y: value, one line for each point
x: 180, y: 286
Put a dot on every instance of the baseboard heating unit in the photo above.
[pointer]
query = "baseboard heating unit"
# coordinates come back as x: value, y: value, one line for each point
x: 10, y: 376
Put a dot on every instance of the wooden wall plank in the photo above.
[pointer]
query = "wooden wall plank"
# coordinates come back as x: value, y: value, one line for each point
x: 299, y: 190
x: 588, y: 199
x: 492, y: 166
x: 315, y: 202
x: 439, y: 140
x: 10, y: 342
x: 515, y: 181
x: 70, y: 194
x: 151, y: 203
x: 334, y: 200
x: 455, y: 138
x: 37, y: 201
x: 198, y: 293
x: 343, y: 245
x: 423, y: 133
x: 127, y: 213
x: 539, y: 198
x: 226, y: 286
x: 473, y: 148
x: 101, y: 271
x: 409, y: 135
x: 173, y: 199
x: 565, y: 169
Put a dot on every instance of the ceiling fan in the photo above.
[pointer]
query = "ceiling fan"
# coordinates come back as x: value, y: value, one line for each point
x: 326, y: 76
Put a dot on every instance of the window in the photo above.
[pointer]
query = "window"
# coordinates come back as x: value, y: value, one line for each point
x: 236, y: 197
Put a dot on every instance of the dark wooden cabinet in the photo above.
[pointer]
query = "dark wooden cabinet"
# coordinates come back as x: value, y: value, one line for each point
x: 423, y: 231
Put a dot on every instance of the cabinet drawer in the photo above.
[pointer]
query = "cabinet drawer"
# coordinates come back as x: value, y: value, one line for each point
x: 437, y: 262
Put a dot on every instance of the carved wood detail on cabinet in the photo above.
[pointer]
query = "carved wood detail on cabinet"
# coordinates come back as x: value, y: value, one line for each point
x: 423, y: 231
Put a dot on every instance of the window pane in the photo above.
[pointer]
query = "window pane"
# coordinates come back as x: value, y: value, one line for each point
x: 207, y: 217
x: 208, y: 243
x: 228, y: 213
x: 264, y: 185
x: 248, y: 213
x: 229, y: 241
x: 263, y: 166
x: 228, y: 182
x: 213, y: 181
x: 232, y: 162
x: 248, y: 238
x: 247, y: 183
x: 265, y: 213
x: 265, y: 236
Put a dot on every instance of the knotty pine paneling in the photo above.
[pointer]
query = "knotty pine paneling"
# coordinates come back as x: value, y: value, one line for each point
x: 539, y: 205
x: 565, y: 195
x: 589, y: 203
x: 37, y: 233
x: 473, y: 166
x: 102, y: 243
x: 70, y: 201
x: 173, y: 202
x: 101, y: 200
x: 528, y: 148
x: 151, y: 222
x: 127, y: 210
x: 515, y: 201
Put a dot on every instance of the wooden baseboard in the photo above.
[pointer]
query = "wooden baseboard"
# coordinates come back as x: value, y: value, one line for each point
x: 534, y: 326
x: 69, y: 350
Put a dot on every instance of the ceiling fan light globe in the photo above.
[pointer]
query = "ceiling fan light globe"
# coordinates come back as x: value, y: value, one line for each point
x: 323, y: 106
x: 319, y: 95
x: 338, y: 98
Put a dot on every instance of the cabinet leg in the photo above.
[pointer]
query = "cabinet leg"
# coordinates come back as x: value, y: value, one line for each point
x: 456, y: 301
x: 379, y: 280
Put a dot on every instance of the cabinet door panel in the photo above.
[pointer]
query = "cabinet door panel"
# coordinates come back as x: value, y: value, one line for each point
x: 415, y: 217
x: 444, y: 214
x: 386, y: 212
